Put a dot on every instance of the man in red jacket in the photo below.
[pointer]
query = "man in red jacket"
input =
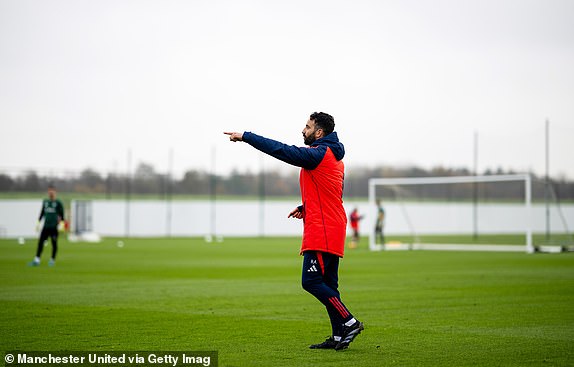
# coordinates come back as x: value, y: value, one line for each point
x: 324, y: 218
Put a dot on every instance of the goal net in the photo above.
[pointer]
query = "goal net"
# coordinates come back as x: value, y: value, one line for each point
x: 481, y: 213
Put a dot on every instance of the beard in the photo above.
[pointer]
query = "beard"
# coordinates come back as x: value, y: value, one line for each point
x: 308, y: 140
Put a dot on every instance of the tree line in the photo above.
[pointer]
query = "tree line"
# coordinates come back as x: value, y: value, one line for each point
x: 147, y: 181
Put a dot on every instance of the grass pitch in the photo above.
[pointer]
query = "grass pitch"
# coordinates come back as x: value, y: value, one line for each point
x: 243, y: 298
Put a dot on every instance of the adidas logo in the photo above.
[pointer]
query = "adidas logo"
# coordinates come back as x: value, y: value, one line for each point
x: 312, y: 269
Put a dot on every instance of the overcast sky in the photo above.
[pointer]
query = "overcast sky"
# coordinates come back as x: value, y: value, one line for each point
x: 408, y: 81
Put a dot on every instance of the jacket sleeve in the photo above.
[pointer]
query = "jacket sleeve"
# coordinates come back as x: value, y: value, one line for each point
x: 308, y: 158
x: 61, y: 211
x: 41, y: 212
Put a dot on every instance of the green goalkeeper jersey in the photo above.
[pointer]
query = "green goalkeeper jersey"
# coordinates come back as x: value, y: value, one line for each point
x: 53, y: 212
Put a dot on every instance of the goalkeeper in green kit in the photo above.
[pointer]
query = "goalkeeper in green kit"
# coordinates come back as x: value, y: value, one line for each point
x: 53, y: 214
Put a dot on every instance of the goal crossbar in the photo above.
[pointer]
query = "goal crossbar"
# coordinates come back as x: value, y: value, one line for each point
x: 526, y: 178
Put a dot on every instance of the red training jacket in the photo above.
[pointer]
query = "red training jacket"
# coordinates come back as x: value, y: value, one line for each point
x: 321, y: 181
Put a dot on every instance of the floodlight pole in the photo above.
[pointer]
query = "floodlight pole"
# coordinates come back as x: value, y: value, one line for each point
x: 168, y: 193
x: 261, y: 197
x: 213, y: 194
x: 109, y: 186
x: 128, y: 193
x: 475, y: 190
x: 547, y: 181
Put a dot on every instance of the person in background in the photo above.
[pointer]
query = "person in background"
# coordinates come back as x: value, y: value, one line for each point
x: 355, y: 218
x: 380, y: 224
x: 53, y: 214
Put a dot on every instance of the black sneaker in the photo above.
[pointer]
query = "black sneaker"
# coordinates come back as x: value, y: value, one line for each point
x: 349, y: 334
x: 330, y: 343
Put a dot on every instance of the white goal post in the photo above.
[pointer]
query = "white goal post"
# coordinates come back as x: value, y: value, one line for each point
x: 525, y: 178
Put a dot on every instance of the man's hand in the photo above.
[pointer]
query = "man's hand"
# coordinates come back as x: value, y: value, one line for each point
x: 296, y: 213
x: 234, y: 136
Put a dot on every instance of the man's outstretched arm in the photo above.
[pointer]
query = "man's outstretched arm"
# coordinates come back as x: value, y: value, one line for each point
x: 308, y: 158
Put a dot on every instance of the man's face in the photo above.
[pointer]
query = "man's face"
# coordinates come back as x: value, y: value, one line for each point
x: 52, y: 193
x: 310, y: 132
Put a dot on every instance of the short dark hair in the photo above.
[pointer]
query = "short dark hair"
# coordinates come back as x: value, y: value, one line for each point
x: 323, y: 121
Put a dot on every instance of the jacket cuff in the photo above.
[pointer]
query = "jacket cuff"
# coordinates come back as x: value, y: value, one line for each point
x: 247, y: 136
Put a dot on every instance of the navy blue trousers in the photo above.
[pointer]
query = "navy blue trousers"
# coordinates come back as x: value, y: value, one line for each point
x: 51, y: 233
x: 321, y: 279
